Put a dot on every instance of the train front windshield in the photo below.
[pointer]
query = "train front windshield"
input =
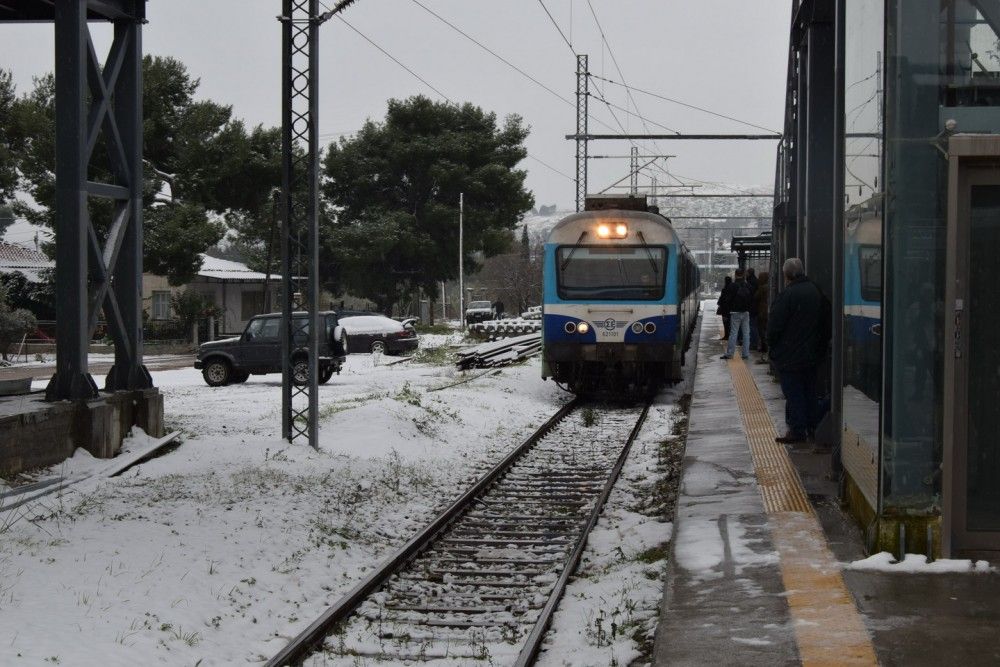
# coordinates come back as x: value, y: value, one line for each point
x: 611, y: 272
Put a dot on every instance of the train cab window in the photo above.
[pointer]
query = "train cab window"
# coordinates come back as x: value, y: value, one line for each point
x: 617, y: 272
x: 870, y: 257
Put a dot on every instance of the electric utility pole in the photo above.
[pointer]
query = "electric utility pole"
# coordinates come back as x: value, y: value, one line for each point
x: 461, y: 260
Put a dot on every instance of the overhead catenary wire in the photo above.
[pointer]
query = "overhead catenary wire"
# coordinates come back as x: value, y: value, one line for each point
x: 682, y: 103
x: 507, y: 62
x: 435, y: 89
x: 556, y: 24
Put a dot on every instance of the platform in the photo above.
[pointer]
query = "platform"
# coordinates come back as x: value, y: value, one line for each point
x: 757, y: 575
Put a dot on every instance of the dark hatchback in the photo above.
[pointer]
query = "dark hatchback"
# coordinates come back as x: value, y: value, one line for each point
x: 377, y: 333
x: 258, y: 351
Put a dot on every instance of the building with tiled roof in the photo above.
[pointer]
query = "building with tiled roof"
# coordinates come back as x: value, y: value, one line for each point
x: 16, y: 258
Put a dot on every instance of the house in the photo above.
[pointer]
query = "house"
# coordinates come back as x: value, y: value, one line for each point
x: 231, y: 286
x: 16, y: 258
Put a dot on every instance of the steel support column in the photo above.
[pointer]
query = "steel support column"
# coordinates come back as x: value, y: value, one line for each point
x: 98, y: 269
x: 582, y: 96
x: 634, y: 172
x: 300, y: 224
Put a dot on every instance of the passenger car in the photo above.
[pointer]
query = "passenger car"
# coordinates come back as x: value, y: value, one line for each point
x: 377, y: 333
x: 258, y: 351
x: 479, y: 311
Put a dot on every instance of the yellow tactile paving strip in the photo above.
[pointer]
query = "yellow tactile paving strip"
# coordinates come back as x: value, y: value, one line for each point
x: 828, y: 628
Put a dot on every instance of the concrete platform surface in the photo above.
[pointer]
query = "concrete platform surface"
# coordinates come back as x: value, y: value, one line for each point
x: 727, y: 600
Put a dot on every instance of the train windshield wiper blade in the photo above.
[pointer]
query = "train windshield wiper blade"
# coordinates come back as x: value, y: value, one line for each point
x: 649, y: 254
x: 565, y: 263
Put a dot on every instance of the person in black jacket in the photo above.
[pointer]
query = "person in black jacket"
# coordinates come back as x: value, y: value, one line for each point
x: 740, y: 304
x: 753, y: 282
x: 796, y: 341
x: 723, y: 306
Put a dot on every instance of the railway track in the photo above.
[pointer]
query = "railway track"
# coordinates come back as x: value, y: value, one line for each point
x: 483, y: 580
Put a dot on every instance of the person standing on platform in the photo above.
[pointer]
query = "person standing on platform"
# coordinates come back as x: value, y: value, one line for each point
x: 794, y: 340
x: 752, y: 282
x: 739, y: 315
x: 760, y: 299
x: 723, y: 306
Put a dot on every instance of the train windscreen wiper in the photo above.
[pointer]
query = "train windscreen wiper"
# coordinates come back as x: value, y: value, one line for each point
x: 649, y: 254
x: 565, y: 263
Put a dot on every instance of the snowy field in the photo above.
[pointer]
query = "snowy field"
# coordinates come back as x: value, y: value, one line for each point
x: 222, y: 550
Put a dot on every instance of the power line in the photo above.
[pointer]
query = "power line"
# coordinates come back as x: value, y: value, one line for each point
x: 504, y: 60
x: 561, y: 33
x: 432, y: 87
x: 683, y: 104
x: 614, y: 59
x: 639, y: 116
x: 394, y: 59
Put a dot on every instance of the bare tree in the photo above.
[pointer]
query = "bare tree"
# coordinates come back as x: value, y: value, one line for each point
x: 514, y: 277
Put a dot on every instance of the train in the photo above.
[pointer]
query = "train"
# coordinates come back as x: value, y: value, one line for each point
x: 620, y: 299
x: 863, y: 301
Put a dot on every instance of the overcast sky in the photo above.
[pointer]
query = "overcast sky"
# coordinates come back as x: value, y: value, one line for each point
x: 725, y: 55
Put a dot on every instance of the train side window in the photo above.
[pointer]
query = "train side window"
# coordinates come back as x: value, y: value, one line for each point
x: 870, y: 259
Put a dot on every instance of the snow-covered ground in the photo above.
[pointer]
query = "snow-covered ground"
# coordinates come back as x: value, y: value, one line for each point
x: 222, y: 550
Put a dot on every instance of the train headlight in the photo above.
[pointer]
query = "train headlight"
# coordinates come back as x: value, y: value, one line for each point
x: 618, y: 230
x: 621, y: 230
x: 637, y: 328
x: 569, y: 327
x: 582, y: 327
x: 650, y: 328
x: 603, y: 232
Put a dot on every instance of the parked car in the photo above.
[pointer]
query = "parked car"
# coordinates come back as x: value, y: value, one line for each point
x: 258, y: 351
x: 479, y: 311
x: 377, y: 333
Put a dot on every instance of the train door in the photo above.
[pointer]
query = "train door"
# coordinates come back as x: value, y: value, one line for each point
x: 971, y: 488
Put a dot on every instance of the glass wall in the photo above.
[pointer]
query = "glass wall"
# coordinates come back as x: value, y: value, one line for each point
x: 864, y: 97
x: 942, y: 60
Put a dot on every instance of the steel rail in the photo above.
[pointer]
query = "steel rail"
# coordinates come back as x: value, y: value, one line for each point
x: 297, y: 650
x: 534, y: 642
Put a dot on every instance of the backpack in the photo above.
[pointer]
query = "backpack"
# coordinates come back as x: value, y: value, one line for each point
x: 742, y: 297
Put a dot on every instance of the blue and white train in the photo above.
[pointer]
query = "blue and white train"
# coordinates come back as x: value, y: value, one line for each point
x: 863, y: 302
x: 620, y: 299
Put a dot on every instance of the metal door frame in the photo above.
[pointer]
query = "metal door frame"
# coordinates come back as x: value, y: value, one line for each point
x: 968, y: 156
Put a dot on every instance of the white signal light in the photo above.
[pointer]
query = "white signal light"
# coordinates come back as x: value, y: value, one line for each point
x: 583, y: 327
x: 603, y: 231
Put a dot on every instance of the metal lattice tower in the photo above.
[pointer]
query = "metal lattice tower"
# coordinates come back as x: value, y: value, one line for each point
x: 582, y: 96
x: 300, y: 223
x: 98, y: 267
x: 634, y: 172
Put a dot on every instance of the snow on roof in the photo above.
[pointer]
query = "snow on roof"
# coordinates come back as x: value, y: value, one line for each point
x: 17, y: 258
x: 225, y: 269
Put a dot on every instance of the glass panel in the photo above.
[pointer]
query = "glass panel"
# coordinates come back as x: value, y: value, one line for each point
x: 970, y: 64
x: 983, y: 480
x: 916, y: 204
x: 864, y: 69
x: 611, y: 272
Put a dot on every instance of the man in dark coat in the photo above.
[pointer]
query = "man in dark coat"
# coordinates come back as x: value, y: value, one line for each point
x: 723, y: 306
x: 796, y: 341
x: 740, y: 303
x: 754, y: 334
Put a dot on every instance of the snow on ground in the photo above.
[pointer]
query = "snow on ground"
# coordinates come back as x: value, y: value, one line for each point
x: 221, y: 551
x: 611, y: 606
x: 917, y: 563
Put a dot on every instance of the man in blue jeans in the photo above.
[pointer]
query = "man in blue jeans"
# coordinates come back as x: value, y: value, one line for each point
x: 740, y: 304
x: 797, y: 335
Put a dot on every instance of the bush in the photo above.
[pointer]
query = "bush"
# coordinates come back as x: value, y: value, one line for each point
x: 14, y: 324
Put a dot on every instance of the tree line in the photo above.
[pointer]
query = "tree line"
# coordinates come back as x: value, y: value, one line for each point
x: 389, y: 202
